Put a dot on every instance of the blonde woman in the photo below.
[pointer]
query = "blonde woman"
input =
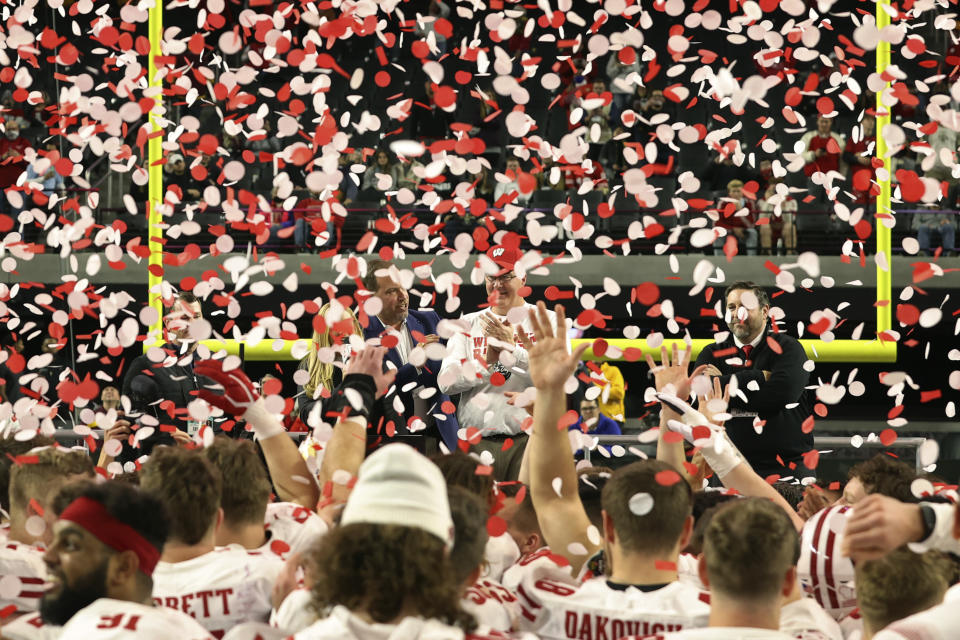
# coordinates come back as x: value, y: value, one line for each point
x: 335, y: 336
x: 324, y: 364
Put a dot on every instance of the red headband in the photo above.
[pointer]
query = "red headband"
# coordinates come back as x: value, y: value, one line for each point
x: 93, y: 516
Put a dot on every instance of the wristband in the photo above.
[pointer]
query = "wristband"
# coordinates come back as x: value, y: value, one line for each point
x: 355, y: 396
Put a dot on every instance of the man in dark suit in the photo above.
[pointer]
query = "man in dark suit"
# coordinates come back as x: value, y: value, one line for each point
x: 401, y: 331
x: 771, y: 381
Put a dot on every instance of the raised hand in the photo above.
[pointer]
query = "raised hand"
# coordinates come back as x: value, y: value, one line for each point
x: 673, y: 372
x: 550, y: 364
x: 714, y: 404
x: 238, y: 394
x: 879, y: 525
x: 369, y: 361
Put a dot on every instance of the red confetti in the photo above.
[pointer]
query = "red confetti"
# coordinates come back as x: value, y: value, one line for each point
x: 667, y: 478
x: 888, y: 437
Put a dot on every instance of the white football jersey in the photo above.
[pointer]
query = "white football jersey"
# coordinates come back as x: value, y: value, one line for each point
x: 343, y: 625
x: 852, y: 625
x: 542, y: 563
x: 595, y: 609
x: 937, y: 623
x: 688, y: 570
x: 500, y: 553
x: 29, y: 627
x: 291, y: 528
x: 295, y: 613
x: 805, y: 619
x: 493, y: 605
x: 108, y: 619
x: 221, y: 588
x: 22, y: 576
x: 463, y: 371
x: 725, y: 633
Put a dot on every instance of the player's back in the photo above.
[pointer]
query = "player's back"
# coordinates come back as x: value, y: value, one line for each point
x: 721, y: 633
x: 291, y: 528
x: 341, y: 624
x: 491, y: 604
x: 219, y: 589
x: 108, y: 619
x: 599, y: 608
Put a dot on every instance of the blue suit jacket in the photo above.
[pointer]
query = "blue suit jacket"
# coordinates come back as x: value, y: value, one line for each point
x: 422, y: 323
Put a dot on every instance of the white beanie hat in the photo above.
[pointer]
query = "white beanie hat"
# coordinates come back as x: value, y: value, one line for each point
x: 398, y: 485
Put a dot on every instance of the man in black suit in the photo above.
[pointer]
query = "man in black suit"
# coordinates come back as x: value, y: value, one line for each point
x: 771, y: 381
x: 401, y: 330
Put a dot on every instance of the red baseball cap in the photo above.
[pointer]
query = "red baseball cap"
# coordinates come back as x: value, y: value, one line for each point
x: 505, y: 257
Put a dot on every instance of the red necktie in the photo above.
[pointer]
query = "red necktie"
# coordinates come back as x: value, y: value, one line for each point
x: 747, y: 348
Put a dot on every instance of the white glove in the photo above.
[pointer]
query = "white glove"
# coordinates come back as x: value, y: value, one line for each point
x: 717, y: 449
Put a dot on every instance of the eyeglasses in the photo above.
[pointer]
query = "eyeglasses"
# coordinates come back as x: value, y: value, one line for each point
x: 504, y: 279
x: 585, y: 409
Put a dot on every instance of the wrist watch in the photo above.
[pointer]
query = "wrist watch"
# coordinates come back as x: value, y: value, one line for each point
x: 929, y: 518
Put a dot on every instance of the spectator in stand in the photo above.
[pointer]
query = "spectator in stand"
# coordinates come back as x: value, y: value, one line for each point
x: 858, y: 156
x: 110, y: 399
x: 597, y: 120
x: 718, y: 173
x: 612, y: 393
x: 12, y: 161
x: 426, y: 29
x: 284, y: 225
x: 780, y: 211
x: 383, y: 165
x: 821, y: 152
x: 663, y: 163
x: 41, y: 172
x: 428, y: 121
x: 264, y: 146
x: 738, y: 217
x: 510, y: 190
x: 935, y: 222
x: 177, y: 175
x: 593, y: 423
x: 622, y: 82
x: 349, y: 182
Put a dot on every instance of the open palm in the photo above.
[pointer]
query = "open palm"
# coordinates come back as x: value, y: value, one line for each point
x: 550, y: 363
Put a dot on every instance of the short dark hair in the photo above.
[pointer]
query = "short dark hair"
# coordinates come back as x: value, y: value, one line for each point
x: 244, y: 500
x: 900, y: 584
x: 659, y: 529
x: 747, y: 285
x: 189, y: 485
x: 592, y: 401
x: 187, y: 296
x: 749, y: 546
x: 886, y: 476
x: 370, y: 279
x: 141, y: 511
x: 590, y: 484
x: 387, y: 571
x: 469, y: 516
x: 460, y: 470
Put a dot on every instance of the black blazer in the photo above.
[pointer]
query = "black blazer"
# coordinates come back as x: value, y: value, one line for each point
x: 782, y: 434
